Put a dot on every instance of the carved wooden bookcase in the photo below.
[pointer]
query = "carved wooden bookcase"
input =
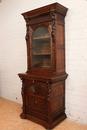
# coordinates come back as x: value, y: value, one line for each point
x: 43, y: 85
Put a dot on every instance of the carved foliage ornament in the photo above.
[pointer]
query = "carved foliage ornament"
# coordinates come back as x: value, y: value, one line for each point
x: 53, y: 17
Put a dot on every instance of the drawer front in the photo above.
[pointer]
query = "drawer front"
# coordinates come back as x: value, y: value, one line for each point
x: 37, y: 114
x: 36, y: 87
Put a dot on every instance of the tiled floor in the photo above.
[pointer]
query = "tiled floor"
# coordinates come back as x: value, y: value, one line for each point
x: 10, y: 119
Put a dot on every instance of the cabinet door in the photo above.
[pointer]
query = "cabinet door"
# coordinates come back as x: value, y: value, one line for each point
x: 41, y: 47
x: 35, y: 96
x: 36, y: 103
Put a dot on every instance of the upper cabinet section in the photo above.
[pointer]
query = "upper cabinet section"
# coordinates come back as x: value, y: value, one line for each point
x: 45, y: 38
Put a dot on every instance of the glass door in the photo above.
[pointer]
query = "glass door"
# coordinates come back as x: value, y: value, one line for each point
x: 41, y: 48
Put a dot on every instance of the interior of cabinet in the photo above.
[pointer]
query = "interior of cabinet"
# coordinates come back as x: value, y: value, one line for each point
x: 41, y: 48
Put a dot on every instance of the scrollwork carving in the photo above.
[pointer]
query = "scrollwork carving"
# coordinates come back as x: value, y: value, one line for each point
x: 28, y: 29
x: 49, y: 91
x: 53, y: 25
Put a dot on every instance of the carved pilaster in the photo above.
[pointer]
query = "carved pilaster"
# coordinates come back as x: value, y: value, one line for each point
x: 53, y: 35
x: 53, y: 25
x: 28, y: 39
x: 27, y: 29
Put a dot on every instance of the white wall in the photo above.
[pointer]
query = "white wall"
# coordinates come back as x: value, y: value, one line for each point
x: 13, y: 52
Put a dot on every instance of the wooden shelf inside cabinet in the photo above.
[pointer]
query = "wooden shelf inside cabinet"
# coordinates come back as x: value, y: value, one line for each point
x: 38, y: 54
x: 41, y: 37
x: 42, y: 66
x: 43, y: 85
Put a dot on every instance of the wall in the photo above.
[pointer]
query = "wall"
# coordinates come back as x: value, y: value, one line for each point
x: 13, y: 52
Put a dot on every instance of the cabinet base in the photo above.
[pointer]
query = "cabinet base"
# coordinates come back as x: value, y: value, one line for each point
x: 46, y: 124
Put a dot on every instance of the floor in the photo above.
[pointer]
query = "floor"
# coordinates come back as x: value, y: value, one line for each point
x: 10, y: 119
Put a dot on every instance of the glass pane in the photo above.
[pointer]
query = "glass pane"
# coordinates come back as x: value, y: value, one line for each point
x: 41, y: 48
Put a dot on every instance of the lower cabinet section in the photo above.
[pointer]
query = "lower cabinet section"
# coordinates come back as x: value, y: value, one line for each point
x: 43, y: 102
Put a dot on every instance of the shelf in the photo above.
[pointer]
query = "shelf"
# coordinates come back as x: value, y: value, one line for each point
x: 43, y: 66
x: 41, y: 37
x: 41, y: 53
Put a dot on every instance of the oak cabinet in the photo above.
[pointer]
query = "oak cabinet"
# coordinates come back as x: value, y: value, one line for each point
x: 43, y: 85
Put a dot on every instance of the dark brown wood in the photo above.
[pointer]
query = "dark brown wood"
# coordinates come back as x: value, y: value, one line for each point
x: 43, y: 88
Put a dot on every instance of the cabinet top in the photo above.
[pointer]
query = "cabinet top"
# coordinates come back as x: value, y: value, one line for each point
x: 55, y: 7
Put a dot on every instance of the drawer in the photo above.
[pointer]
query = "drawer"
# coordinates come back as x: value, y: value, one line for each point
x: 42, y: 116
x: 35, y: 87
